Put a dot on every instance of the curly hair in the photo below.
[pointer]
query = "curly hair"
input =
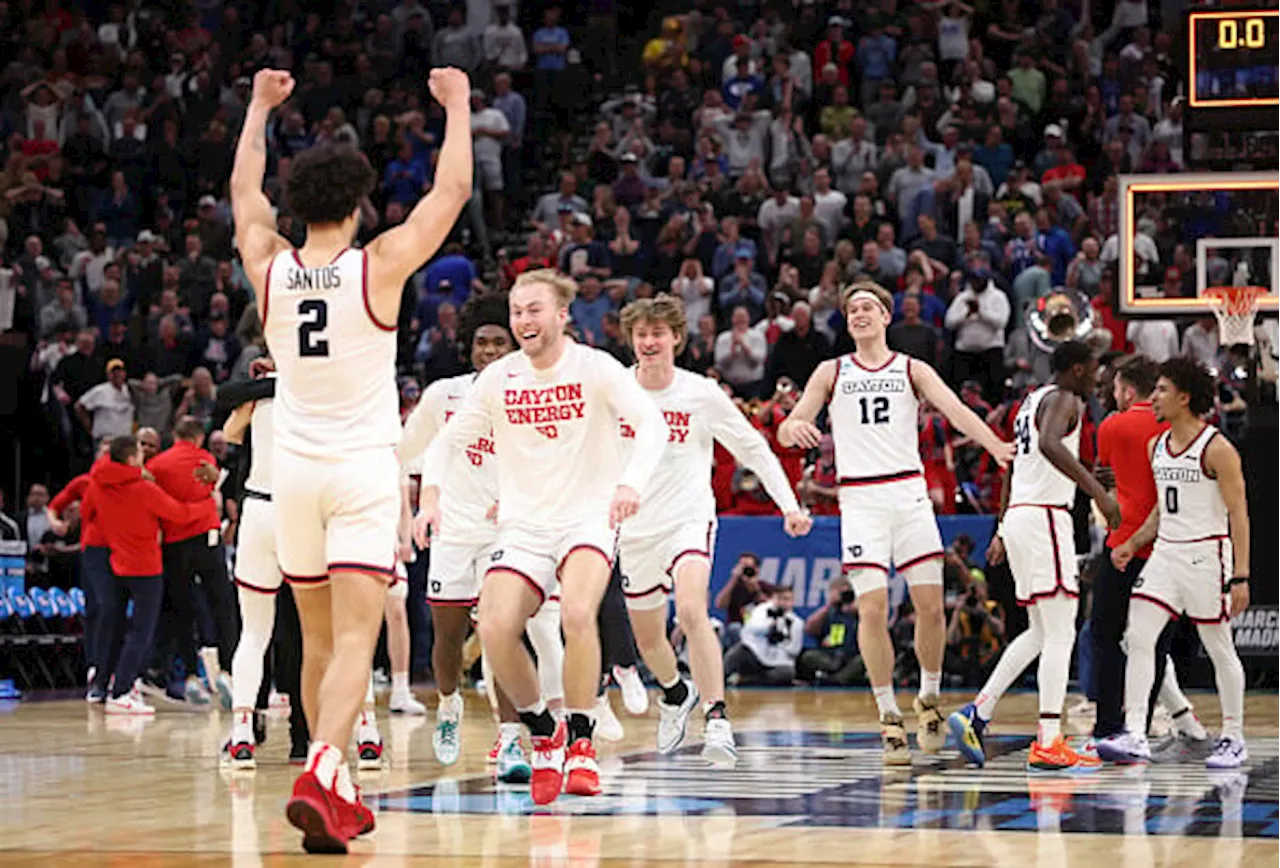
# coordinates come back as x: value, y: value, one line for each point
x: 1192, y: 379
x: 326, y: 184
x: 664, y: 308
x: 482, y: 310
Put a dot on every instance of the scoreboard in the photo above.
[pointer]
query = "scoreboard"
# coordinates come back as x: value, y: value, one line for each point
x: 1232, y: 118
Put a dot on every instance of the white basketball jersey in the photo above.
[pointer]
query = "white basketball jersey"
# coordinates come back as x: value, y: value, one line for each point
x: 336, y: 364
x: 1035, y: 480
x: 1190, y: 502
x: 874, y: 420
x: 262, y: 441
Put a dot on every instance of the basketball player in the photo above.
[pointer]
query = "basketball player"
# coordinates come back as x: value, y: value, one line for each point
x: 1123, y: 441
x: 1036, y: 533
x: 329, y: 314
x: 553, y: 409
x: 1199, y: 565
x: 886, y: 516
x: 670, y: 539
x: 460, y: 554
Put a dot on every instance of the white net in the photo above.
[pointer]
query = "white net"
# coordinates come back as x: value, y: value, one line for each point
x: 1235, y: 307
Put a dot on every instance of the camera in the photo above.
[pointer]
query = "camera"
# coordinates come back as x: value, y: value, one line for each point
x: 971, y: 601
x: 847, y: 596
x: 749, y: 572
x: 776, y: 612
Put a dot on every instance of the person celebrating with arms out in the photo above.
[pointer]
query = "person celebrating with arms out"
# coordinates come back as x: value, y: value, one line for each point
x: 671, y: 537
x: 553, y: 409
x: 1199, y: 565
x: 329, y: 313
x: 1036, y: 534
x: 873, y: 399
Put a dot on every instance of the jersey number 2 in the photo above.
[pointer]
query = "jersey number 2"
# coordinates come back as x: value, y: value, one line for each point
x: 875, y: 411
x: 314, y: 316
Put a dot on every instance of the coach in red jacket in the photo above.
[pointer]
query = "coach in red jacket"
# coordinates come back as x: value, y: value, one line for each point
x: 130, y: 512
x: 187, y: 473
x: 95, y: 569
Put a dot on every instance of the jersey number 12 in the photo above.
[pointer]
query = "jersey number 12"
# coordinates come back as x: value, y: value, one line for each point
x: 875, y: 411
x: 313, y: 314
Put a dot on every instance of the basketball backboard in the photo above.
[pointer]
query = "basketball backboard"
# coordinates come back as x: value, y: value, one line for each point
x: 1198, y: 230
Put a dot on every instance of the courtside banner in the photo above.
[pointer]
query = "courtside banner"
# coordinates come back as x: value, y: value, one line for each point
x: 1256, y: 631
x: 808, y: 564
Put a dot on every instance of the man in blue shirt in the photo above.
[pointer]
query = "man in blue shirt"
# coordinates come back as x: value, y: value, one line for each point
x: 735, y: 90
x: 551, y: 42
x: 405, y: 177
x: 1056, y: 244
x: 588, y: 310
x: 453, y: 266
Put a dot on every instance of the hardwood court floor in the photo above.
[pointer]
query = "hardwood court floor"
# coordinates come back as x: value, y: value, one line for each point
x: 78, y: 788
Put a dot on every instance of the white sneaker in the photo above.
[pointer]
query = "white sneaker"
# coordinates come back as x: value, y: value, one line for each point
x: 222, y: 684
x: 634, y: 695
x: 1161, y: 722
x: 368, y: 748
x: 406, y: 703
x: 673, y: 720
x: 447, y: 740
x: 1124, y: 748
x: 608, y: 726
x: 718, y: 746
x: 131, y: 703
x: 1228, y: 753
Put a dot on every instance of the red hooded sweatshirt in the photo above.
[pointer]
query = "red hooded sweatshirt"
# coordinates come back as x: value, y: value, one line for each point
x: 129, y: 512
x: 173, y: 470
x: 79, y: 489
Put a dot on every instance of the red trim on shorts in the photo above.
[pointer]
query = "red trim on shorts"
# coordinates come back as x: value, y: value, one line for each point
x: 542, y: 595
x: 632, y: 596
x: 305, y: 580
x: 853, y: 357
x: 241, y: 583
x: 366, y: 569
x: 364, y: 293
x: 1136, y: 595
x: 608, y: 561
x: 266, y: 293
x: 1059, y: 584
x: 1046, y: 595
x: 451, y: 604
x: 1218, y: 536
x: 931, y: 556
x: 671, y: 570
x: 554, y: 598
x: 877, y: 480
x: 864, y: 565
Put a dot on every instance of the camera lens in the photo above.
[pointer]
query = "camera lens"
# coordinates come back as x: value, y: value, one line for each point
x: 748, y: 571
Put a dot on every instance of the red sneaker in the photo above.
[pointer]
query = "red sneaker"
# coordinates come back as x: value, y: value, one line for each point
x: 492, y: 758
x: 320, y: 814
x: 363, y: 821
x: 548, y: 766
x: 582, y: 774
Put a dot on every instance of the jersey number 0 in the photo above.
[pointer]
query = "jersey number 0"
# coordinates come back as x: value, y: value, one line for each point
x: 313, y: 314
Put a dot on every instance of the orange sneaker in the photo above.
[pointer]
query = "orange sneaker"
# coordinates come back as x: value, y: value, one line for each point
x: 1059, y: 756
x: 582, y: 774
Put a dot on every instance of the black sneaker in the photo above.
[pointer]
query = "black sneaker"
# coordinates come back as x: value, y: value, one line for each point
x: 298, y: 753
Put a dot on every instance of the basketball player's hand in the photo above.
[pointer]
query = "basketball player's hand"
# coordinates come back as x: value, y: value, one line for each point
x: 797, y: 523
x: 1003, y: 453
x: 1121, y: 555
x: 272, y: 86
x: 450, y: 87
x: 205, y: 473
x: 427, y: 522
x: 1239, y: 598
x: 1111, y: 510
x: 805, y: 434
x: 995, y: 551
x: 624, y: 505
x: 260, y: 367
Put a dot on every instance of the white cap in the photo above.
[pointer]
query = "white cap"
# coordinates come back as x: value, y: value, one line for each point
x: 1054, y: 130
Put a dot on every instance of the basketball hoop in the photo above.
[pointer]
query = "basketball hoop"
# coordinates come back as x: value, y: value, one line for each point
x: 1235, y: 307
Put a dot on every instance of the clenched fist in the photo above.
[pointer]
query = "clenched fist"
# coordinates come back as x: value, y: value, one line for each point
x: 272, y: 86
x: 451, y: 87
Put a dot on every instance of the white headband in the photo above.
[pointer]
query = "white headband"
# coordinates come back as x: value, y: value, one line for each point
x: 869, y: 294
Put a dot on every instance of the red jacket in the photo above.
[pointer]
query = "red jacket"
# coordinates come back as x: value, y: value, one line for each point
x: 79, y: 489
x: 130, y: 511
x: 173, y: 469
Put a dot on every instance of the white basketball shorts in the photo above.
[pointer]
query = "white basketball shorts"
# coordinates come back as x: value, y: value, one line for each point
x: 399, y: 589
x: 456, y: 572
x: 649, y: 563
x: 1039, y: 542
x: 888, y: 523
x: 537, y: 555
x: 337, y: 515
x: 257, y: 567
x: 1188, y: 577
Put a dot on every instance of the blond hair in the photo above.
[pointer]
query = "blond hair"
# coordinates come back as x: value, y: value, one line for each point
x: 882, y: 295
x: 564, y: 286
x: 662, y: 308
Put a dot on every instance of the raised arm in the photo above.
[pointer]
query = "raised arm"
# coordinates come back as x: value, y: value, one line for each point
x: 237, y: 423
x: 1222, y: 460
x: 256, y: 236
x: 1058, y: 414
x: 400, y: 251
x: 930, y: 386
x: 798, y: 429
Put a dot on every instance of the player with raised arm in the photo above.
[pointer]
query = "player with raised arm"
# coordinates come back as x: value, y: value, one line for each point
x: 873, y: 398
x: 670, y: 539
x: 1199, y: 565
x: 1037, y: 535
x: 553, y: 409
x: 329, y: 313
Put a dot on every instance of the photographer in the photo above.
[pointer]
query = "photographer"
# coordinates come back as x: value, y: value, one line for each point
x: 975, y: 634
x: 835, y: 626
x: 743, y: 591
x: 771, y: 641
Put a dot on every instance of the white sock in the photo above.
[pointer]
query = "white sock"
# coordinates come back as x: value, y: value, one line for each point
x: 1058, y: 623
x: 323, y: 760
x: 368, y: 718
x: 508, y: 732
x: 1049, y: 730
x: 243, y: 726
x: 886, y: 702
x: 209, y: 657
x: 1229, y: 674
x: 342, y: 784
x: 399, y: 683
x: 1146, y: 620
x: 1017, y: 656
x: 930, y: 683
x: 257, y: 615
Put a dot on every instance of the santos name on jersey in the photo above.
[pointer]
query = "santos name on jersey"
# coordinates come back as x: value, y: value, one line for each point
x: 698, y: 413
x: 470, y: 481
x: 1035, y: 481
x: 875, y: 421
x: 1190, y: 502
x: 337, y: 364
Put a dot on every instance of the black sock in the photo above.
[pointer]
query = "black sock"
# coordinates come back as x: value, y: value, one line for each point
x: 541, y: 725
x: 716, y: 711
x: 676, y: 694
x: 580, y: 726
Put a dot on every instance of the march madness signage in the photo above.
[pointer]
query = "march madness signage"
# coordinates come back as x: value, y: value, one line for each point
x: 1256, y: 631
